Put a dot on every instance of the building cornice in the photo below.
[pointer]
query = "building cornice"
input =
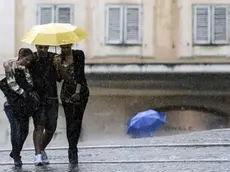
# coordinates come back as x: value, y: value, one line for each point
x: 156, y: 68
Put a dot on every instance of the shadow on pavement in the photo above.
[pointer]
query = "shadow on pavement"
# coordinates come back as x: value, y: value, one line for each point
x: 48, y: 168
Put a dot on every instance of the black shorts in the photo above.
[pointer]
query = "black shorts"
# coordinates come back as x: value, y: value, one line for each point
x: 47, y: 114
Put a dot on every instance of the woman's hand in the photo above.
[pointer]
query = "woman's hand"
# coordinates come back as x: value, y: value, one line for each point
x: 57, y: 60
x: 75, y: 97
x: 8, y: 68
x: 34, y: 96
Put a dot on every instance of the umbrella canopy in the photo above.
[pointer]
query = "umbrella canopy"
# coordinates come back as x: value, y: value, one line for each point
x: 54, y: 34
x: 146, y: 123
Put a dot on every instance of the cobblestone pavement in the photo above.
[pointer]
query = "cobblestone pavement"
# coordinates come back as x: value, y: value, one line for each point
x: 134, y: 154
x: 146, y: 167
x: 192, y: 152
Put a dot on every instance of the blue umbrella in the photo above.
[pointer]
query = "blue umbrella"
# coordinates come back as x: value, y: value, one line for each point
x: 146, y: 123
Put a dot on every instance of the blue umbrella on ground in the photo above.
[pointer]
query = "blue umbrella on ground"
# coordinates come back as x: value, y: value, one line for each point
x: 146, y: 123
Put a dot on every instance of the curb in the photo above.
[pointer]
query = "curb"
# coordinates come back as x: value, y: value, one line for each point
x: 134, y: 146
x: 132, y: 162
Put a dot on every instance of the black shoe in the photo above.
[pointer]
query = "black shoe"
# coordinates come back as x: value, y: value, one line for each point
x: 73, y: 156
x: 17, y: 160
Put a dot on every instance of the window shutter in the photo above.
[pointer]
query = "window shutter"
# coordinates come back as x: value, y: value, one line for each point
x: 219, y: 24
x: 64, y: 14
x: 114, y: 24
x: 45, y: 14
x: 132, y: 28
x: 202, y: 24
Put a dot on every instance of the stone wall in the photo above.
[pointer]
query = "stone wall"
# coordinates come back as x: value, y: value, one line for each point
x: 106, y: 118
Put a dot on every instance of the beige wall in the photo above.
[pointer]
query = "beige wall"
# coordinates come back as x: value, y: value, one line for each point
x: 90, y: 15
x: 186, y: 48
x: 167, y: 31
x: 106, y: 118
x: 99, y: 49
x: 27, y: 17
x: 166, y: 26
x: 108, y: 115
x: 7, y: 34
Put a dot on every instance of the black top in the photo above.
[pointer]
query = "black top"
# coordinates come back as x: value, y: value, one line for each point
x: 78, y: 75
x: 44, y: 76
x: 18, y: 103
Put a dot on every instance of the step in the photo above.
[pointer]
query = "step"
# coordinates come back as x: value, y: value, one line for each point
x: 133, y: 154
x: 159, y: 167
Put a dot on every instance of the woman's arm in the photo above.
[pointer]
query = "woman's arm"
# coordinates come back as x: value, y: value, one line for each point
x: 11, y: 81
x: 83, y: 90
x: 8, y: 66
x: 80, y: 68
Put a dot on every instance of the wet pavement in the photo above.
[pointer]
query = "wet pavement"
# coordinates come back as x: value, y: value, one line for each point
x: 199, y: 151
x: 123, y: 155
x: 157, y: 167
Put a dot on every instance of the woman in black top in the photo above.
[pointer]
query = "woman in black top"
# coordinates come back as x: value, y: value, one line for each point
x: 74, y: 94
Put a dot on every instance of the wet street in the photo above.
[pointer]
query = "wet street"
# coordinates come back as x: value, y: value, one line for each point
x: 194, y: 152
x: 158, y: 167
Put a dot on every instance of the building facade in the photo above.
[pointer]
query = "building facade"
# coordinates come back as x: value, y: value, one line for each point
x: 129, y: 31
x: 130, y: 44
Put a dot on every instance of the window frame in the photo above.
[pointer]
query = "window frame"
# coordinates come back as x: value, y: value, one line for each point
x: 64, y: 6
x: 213, y: 41
x: 211, y: 21
x: 39, y: 7
x: 197, y: 42
x: 123, y: 35
x: 114, y: 42
x: 55, y: 11
x: 132, y: 42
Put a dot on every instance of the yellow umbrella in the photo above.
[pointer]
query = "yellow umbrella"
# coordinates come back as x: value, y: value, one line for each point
x: 54, y: 34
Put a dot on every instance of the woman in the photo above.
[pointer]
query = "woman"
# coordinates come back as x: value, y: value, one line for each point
x: 74, y: 94
x: 22, y: 101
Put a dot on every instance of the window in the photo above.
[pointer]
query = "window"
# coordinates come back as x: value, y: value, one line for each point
x: 210, y: 24
x: 123, y: 24
x: 55, y: 14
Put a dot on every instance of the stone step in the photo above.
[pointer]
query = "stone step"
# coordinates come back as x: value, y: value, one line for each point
x: 133, y: 154
x: 205, y: 137
x: 159, y: 167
